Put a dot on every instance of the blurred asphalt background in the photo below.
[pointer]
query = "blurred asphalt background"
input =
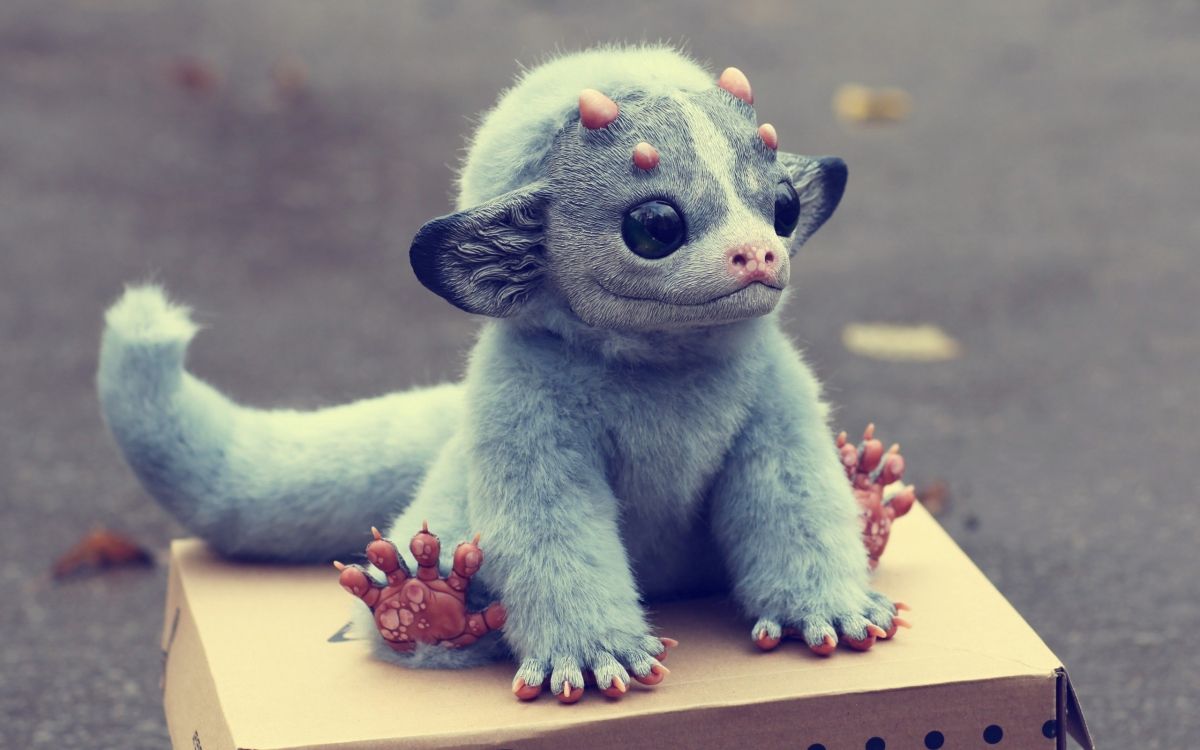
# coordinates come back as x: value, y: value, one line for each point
x: 1040, y: 205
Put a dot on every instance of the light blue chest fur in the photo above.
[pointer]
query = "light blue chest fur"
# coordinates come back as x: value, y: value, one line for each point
x: 659, y: 434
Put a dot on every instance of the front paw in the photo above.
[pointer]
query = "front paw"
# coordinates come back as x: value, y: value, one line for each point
x: 858, y: 627
x: 609, y: 666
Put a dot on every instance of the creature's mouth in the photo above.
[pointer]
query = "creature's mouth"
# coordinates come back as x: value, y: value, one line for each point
x: 702, y: 303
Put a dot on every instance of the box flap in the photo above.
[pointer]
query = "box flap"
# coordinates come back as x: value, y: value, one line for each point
x: 1070, y: 715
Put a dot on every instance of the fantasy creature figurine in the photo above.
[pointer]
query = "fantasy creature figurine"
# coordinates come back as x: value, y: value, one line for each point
x: 633, y: 425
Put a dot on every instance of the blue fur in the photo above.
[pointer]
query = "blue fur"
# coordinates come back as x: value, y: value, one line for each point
x: 271, y: 485
x: 629, y: 430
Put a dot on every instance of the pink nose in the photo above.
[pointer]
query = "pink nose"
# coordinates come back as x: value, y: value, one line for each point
x: 749, y: 263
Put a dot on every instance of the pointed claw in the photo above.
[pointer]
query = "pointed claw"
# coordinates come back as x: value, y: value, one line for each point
x: 841, y: 438
x: 895, y: 448
x: 826, y: 648
x: 765, y: 642
x: 375, y: 533
x: 657, y: 673
x: 668, y: 643
x: 617, y: 689
x: 876, y: 631
x: 901, y: 622
x: 524, y: 691
x: 475, y: 541
x: 569, y: 695
x: 340, y: 566
x: 869, y: 433
x: 425, y: 526
x: 901, y: 606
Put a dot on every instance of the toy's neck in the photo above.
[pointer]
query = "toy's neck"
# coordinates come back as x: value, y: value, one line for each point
x: 676, y: 346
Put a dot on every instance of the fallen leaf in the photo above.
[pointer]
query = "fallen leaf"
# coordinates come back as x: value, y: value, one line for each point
x: 290, y: 79
x: 912, y: 343
x: 194, y: 75
x: 935, y: 497
x: 100, y: 548
x: 857, y: 103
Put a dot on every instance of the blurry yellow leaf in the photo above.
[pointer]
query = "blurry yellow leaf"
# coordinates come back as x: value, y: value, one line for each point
x: 915, y: 343
x: 856, y: 103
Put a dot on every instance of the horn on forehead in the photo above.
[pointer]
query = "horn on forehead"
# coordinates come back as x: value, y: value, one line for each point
x: 736, y: 83
x: 766, y: 131
x: 645, y: 156
x: 596, y: 110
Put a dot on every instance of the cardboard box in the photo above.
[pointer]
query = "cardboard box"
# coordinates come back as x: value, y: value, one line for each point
x: 258, y: 657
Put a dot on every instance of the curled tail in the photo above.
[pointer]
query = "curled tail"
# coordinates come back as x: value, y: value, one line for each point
x: 273, y: 485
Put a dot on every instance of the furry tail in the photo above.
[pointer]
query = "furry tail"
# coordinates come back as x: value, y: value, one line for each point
x: 271, y: 485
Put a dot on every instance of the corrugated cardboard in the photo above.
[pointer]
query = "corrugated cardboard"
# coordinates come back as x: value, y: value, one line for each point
x: 257, y: 657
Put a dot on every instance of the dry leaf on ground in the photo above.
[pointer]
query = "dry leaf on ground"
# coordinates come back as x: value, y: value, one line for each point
x: 100, y: 548
x: 912, y: 343
x: 935, y: 497
x: 194, y: 75
x: 857, y: 103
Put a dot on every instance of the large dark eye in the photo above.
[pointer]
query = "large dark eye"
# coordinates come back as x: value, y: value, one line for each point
x: 653, y: 229
x: 787, y: 209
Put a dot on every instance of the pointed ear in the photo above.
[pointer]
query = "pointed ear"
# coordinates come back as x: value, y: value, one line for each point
x: 488, y: 259
x: 820, y: 182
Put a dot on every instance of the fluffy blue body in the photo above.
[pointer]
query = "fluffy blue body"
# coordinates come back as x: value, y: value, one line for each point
x: 603, y: 464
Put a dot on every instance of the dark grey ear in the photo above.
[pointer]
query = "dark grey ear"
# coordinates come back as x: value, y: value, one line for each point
x: 488, y: 259
x: 820, y: 182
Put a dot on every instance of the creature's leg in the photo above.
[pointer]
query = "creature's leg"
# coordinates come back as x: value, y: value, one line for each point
x: 239, y: 477
x: 572, y: 605
x: 789, y: 527
x: 548, y: 517
x: 440, y: 506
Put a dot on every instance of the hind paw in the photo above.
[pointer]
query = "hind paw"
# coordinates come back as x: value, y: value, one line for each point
x: 425, y: 608
x: 876, y: 476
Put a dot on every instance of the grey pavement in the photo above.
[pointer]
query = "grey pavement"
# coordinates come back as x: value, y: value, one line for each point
x: 1040, y: 205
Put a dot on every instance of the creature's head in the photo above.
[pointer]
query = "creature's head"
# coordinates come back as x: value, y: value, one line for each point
x: 647, y: 198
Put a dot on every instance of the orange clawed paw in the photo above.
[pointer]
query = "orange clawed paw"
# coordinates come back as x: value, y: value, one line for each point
x: 876, y: 476
x: 425, y: 608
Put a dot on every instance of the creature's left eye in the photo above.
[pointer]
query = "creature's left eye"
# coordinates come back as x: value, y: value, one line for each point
x: 653, y: 229
x: 787, y: 209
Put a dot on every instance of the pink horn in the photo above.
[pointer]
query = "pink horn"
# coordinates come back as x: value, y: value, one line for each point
x: 735, y: 82
x: 766, y: 131
x: 645, y: 156
x: 596, y: 110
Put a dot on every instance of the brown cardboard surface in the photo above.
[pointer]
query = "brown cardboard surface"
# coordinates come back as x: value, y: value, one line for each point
x: 256, y: 662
